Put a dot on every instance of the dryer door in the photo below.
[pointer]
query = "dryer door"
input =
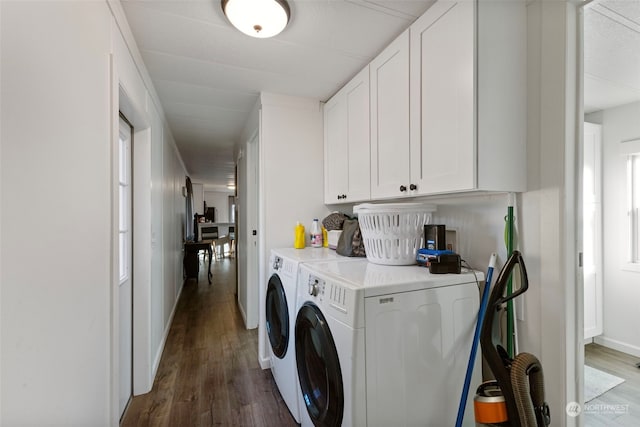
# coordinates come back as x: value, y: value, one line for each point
x: 277, y: 316
x: 318, y: 367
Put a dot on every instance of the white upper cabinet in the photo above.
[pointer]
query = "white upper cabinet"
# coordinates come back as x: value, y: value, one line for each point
x: 447, y: 109
x: 442, y: 89
x: 346, y: 143
x: 468, y: 97
x: 389, y: 73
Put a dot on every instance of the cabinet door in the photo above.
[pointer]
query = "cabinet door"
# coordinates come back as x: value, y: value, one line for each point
x: 389, y: 73
x: 346, y: 142
x: 359, y: 166
x: 335, y: 143
x: 443, y: 136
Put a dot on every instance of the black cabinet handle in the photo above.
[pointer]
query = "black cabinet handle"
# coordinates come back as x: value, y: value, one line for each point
x: 403, y: 188
x: 413, y: 187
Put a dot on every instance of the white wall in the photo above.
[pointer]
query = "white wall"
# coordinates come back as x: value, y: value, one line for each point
x: 550, y: 204
x: 550, y: 233
x: 56, y: 159
x: 198, y: 198
x: 220, y: 200
x: 291, y: 178
x: 621, y: 286
x: 59, y: 99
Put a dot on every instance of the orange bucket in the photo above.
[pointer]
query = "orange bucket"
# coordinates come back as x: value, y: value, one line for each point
x: 489, y: 405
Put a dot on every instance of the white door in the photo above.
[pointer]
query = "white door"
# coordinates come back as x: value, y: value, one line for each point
x: 346, y: 142
x: 358, y: 141
x: 246, y: 234
x: 592, y: 230
x: 389, y: 86
x: 253, y: 280
x: 125, y: 291
x: 336, y: 165
x: 442, y: 98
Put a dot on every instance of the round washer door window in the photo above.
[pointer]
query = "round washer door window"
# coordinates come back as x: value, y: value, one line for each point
x: 277, y: 316
x: 318, y: 367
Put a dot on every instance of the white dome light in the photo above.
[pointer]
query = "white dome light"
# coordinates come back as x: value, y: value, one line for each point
x: 257, y: 18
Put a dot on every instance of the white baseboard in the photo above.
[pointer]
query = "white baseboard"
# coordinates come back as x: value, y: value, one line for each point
x: 264, y: 363
x: 243, y: 313
x: 618, y: 345
x: 165, y: 335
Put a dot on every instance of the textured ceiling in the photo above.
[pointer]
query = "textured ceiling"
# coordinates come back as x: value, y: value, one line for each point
x: 208, y: 75
x: 611, y: 54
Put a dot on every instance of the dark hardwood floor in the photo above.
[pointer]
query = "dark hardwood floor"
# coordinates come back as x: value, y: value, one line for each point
x: 209, y: 373
x: 619, y: 406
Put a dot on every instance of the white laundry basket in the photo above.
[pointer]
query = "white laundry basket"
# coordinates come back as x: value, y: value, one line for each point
x: 393, y: 232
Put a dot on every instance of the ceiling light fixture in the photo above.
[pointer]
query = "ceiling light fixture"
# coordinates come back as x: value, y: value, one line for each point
x: 257, y: 18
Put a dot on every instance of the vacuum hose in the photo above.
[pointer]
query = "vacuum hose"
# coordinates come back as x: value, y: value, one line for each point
x: 528, y: 390
x: 520, y: 379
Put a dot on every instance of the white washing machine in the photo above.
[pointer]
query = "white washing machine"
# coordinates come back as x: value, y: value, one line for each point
x: 280, y: 312
x: 384, y: 345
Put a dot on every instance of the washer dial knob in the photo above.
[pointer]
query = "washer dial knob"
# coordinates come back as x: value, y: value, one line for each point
x: 314, y: 287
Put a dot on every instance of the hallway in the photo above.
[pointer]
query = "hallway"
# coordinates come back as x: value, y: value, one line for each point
x: 209, y: 373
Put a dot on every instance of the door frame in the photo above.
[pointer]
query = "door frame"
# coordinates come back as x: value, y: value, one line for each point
x: 122, y: 122
x: 575, y: 162
x: 142, y: 380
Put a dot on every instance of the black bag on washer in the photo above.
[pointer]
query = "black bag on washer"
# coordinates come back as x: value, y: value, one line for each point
x: 350, y: 242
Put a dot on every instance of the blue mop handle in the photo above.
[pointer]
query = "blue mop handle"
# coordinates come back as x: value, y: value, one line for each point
x: 476, y: 340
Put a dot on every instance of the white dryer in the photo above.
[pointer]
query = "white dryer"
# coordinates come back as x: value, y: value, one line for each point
x: 280, y: 311
x: 383, y: 345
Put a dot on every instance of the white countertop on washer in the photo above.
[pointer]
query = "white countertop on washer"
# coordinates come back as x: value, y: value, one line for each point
x: 376, y: 279
x: 309, y: 254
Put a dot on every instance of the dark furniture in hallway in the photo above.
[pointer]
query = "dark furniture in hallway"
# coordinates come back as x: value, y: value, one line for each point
x: 191, y: 262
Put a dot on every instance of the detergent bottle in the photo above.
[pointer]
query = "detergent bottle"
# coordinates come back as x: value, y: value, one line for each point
x: 298, y: 241
x: 316, y: 234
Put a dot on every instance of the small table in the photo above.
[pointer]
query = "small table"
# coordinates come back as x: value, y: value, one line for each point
x: 190, y: 261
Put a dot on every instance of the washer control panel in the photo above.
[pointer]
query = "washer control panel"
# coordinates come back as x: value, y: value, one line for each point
x: 277, y: 263
x: 337, y: 298
x: 316, y: 286
x: 331, y: 293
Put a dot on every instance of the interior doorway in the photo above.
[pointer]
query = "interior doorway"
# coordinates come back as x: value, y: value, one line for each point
x: 592, y: 229
x: 611, y: 105
x: 125, y: 263
x: 247, y: 232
